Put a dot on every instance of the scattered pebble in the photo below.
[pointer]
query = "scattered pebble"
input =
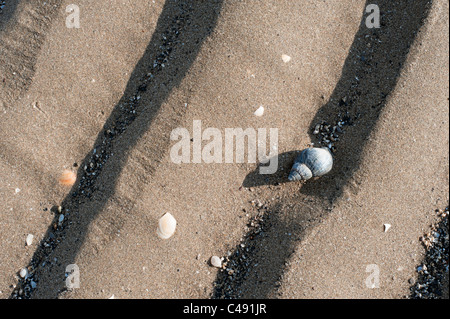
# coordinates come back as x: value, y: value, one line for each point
x: 239, y: 263
x: 216, y: 262
x: 433, y: 271
x: 387, y: 227
x: 23, y: 273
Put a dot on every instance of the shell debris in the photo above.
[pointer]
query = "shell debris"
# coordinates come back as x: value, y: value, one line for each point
x: 67, y: 178
x: 286, y: 58
x: 387, y: 227
x: 259, y: 112
x: 166, y: 226
x: 29, y: 240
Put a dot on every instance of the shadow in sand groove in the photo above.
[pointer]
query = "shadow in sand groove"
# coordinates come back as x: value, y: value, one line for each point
x: 22, y: 34
x: 7, y: 11
x: 181, y: 29
x: 370, y: 74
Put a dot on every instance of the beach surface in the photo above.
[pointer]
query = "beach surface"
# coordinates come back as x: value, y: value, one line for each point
x: 102, y: 101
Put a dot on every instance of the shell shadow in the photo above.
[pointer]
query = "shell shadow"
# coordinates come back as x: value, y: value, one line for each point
x: 285, y: 162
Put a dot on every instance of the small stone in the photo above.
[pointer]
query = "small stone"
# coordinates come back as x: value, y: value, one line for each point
x: 29, y: 240
x: 216, y: 262
x: 23, y: 273
x: 61, y: 218
x: 258, y: 203
x: 317, y: 129
x: 387, y: 227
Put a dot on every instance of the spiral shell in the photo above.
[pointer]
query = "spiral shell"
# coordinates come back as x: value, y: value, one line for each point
x: 312, y: 162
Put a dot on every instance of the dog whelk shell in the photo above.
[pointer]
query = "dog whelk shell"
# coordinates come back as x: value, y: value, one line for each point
x: 166, y: 226
x: 312, y: 162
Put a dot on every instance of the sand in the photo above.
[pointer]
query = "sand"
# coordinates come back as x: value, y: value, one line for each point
x: 102, y: 101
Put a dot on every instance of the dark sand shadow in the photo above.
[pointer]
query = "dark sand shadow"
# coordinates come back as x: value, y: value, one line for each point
x: 285, y: 160
x: 181, y: 29
x: 8, y: 12
x: 20, y: 44
x: 369, y: 76
x: 433, y: 283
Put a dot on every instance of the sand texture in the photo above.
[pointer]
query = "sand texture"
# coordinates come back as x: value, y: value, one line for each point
x: 102, y: 101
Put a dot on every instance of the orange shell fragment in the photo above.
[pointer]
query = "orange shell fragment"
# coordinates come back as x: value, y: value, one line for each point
x: 67, y: 178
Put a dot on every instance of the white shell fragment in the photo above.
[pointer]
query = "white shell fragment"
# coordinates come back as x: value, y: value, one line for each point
x: 216, y: 262
x: 166, y: 226
x: 29, y: 240
x: 387, y: 227
x: 286, y: 58
x: 259, y: 112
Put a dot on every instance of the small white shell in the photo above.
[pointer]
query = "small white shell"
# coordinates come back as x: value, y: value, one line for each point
x: 387, y: 227
x: 29, y: 240
x: 166, y: 226
x: 286, y: 58
x: 259, y: 112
